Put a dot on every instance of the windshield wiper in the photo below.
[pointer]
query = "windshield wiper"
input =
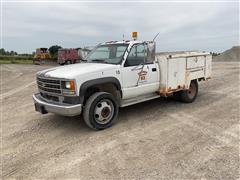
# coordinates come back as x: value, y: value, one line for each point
x: 99, y: 60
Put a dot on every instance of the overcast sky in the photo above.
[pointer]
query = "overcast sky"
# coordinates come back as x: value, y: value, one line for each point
x: 209, y: 26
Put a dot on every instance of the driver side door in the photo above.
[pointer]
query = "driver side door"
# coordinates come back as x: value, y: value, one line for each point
x: 137, y: 78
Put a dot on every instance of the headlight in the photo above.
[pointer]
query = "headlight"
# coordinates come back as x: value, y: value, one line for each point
x: 68, y: 87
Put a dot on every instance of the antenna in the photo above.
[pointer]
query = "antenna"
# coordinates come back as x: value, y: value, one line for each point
x: 156, y: 36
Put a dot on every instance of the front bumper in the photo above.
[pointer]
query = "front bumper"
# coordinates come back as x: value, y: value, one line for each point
x: 62, y: 109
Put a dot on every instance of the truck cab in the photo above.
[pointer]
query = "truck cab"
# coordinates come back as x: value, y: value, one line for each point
x: 115, y: 74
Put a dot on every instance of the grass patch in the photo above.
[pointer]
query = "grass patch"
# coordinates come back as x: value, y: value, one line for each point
x: 15, y: 57
x: 16, y: 61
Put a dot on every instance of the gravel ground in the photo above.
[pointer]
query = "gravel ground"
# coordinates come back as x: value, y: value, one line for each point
x: 161, y: 138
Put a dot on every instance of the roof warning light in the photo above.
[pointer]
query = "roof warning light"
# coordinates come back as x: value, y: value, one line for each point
x: 134, y: 35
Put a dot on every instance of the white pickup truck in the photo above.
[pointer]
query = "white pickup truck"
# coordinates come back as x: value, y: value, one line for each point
x: 118, y: 74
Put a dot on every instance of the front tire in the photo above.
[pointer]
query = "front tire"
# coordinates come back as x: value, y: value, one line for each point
x: 100, y: 111
x: 61, y: 63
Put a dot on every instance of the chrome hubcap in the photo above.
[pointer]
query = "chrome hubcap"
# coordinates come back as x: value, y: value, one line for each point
x: 103, y: 111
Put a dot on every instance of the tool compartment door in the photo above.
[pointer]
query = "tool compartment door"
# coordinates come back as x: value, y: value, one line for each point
x: 176, y: 73
x: 195, y: 62
x: 208, y: 66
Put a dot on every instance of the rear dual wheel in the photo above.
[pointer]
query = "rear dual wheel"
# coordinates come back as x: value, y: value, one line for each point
x: 65, y: 62
x: 69, y: 62
x: 189, y: 95
x: 100, y: 111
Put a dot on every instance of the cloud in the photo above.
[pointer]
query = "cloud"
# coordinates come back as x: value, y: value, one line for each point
x: 77, y: 24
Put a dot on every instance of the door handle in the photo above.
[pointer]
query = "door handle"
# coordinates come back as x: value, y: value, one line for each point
x: 154, y: 69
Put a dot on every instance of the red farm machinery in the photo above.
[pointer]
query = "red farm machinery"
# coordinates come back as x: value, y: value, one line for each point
x: 71, y: 55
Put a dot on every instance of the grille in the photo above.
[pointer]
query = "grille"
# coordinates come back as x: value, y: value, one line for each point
x: 49, y: 85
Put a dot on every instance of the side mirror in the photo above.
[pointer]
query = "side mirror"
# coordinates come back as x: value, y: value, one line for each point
x: 151, y: 48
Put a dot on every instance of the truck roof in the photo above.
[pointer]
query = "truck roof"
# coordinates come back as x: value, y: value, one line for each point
x: 122, y: 42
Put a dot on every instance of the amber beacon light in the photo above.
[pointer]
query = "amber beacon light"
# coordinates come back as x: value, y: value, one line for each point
x: 134, y: 35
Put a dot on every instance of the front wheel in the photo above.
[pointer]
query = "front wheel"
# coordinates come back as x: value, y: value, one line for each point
x: 189, y: 95
x: 69, y: 62
x: 100, y: 111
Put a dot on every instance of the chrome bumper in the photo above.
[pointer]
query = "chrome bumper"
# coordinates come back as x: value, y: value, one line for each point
x: 62, y: 109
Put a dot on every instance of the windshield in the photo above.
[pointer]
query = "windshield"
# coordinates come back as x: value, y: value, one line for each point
x: 110, y: 53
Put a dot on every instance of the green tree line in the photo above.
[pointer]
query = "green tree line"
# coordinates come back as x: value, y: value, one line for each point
x: 3, y: 52
x: 53, y: 50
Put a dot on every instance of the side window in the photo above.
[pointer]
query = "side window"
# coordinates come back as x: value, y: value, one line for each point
x: 136, y: 56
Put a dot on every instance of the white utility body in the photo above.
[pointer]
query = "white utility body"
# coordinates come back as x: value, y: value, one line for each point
x: 117, y: 74
x: 178, y: 70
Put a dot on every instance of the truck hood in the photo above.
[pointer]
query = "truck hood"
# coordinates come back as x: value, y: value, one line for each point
x: 71, y: 71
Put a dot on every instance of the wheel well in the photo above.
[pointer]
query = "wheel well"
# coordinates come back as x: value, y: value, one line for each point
x: 195, y: 80
x: 106, y: 87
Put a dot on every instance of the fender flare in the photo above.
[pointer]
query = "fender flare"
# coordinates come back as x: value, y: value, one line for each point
x: 99, y: 81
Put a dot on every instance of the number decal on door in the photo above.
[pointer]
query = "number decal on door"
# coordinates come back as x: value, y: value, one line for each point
x: 142, y: 75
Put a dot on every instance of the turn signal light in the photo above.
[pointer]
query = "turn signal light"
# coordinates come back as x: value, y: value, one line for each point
x: 72, y: 85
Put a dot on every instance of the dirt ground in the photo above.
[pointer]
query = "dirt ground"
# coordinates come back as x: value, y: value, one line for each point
x: 161, y: 138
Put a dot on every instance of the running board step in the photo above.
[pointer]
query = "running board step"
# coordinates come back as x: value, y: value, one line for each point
x: 139, y: 99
